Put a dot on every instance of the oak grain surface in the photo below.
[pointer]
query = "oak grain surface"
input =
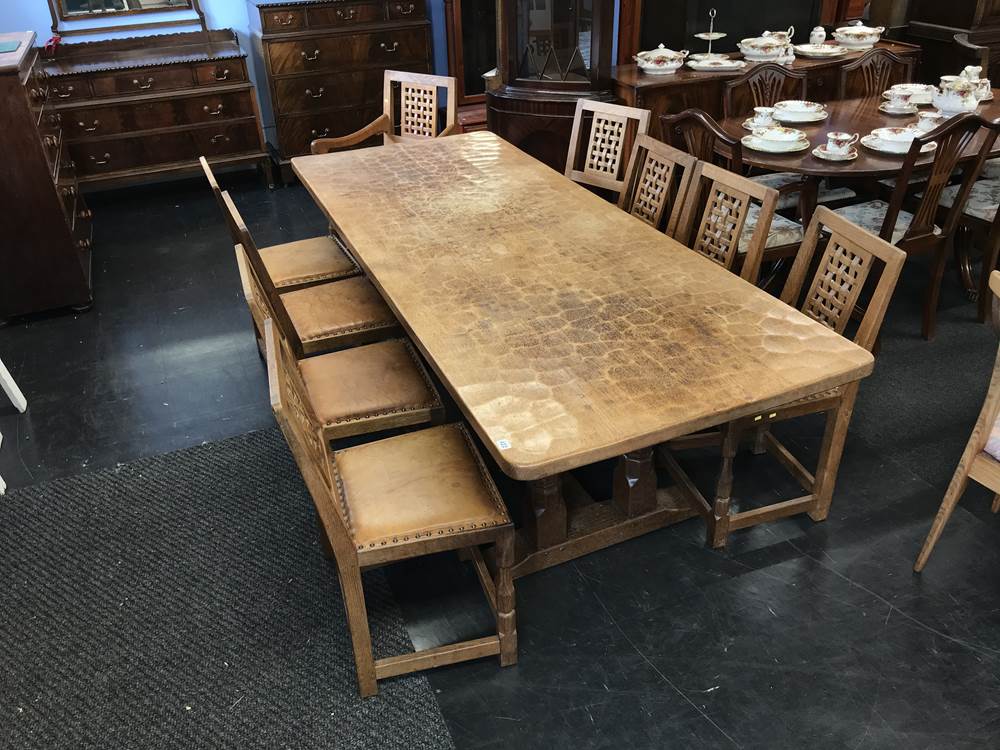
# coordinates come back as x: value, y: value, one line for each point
x: 568, y: 331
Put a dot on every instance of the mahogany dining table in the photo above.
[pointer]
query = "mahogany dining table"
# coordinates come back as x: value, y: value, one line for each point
x: 859, y: 116
x: 567, y: 331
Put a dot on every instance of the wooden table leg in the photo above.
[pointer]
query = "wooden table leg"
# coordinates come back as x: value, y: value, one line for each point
x: 808, y: 198
x: 831, y: 452
x: 546, y: 518
x: 634, y: 483
x: 718, y: 526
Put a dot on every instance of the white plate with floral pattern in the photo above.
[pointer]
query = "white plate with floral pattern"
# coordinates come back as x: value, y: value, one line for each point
x: 774, y: 147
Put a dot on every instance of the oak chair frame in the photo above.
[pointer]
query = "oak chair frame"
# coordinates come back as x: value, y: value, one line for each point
x: 604, y: 158
x: 8, y: 386
x: 715, y: 213
x: 847, y: 263
x: 417, y: 114
x: 317, y: 463
x: 975, y: 463
x: 762, y: 86
x: 953, y: 138
x: 657, y: 181
x: 873, y: 73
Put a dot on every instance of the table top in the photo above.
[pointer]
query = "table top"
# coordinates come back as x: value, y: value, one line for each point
x: 632, y: 76
x: 851, y: 116
x: 567, y: 331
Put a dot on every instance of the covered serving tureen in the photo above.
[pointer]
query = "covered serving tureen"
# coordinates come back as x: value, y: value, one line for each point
x: 771, y: 45
x: 660, y: 60
x: 858, y: 36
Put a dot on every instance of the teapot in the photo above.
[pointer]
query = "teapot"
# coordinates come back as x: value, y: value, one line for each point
x: 957, y: 95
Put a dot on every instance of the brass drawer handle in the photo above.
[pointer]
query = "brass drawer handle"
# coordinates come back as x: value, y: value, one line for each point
x: 348, y: 16
x: 51, y: 141
x: 220, y: 138
x: 39, y: 94
x: 67, y: 95
x: 405, y: 11
x: 107, y: 158
x: 289, y: 20
x: 69, y: 192
x: 317, y: 95
x: 84, y: 214
x: 147, y: 85
x: 318, y: 134
x: 213, y: 112
x: 83, y: 244
x: 223, y: 77
x: 395, y: 46
x: 313, y: 58
x: 92, y: 128
x: 55, y: 119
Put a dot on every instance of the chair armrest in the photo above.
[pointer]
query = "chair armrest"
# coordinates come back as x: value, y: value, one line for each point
x: 325, y: 145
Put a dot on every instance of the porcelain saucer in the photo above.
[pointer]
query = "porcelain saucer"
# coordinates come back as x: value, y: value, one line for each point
x: 774, y: 147
x: 748, y: 125
x: 820, y: 152
x: 870, y: 141
x: 803, y: 118
x: 886, y: 108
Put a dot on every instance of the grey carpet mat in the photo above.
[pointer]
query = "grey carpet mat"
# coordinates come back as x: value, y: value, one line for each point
x: 182, y: 601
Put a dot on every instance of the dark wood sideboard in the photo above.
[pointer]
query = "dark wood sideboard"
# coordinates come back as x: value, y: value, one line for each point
x: 149, y: 106
x: 324, y: 60
x: 44, y: 222
x: 669, y: 94
x: 934, y: 24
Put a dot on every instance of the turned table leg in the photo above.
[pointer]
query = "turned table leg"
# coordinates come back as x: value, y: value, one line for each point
x: 634, y: 489
x: 718, y: 526
x: 546, y: 518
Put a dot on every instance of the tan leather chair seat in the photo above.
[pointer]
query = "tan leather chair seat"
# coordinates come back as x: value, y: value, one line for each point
x: 346, y: 313
x: 382, y: 382
x: 424, y: 484
x: 296, y: 264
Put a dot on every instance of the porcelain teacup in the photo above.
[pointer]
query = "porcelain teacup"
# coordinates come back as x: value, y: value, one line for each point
x: 927, y: 121
x: 840, y: 143
x: 899, y: 99
x: 763, y: 117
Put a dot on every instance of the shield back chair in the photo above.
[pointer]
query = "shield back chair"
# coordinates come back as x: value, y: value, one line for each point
x: 295, y: 265
x: 730, y: 220
x: 656, y: 184
x: 980, y: 460
x: 321, y: 318
x: 395, y: 499
x: 762, y: 86
x: 873, y: 73
x: 417, y: 117
x: 17, y: 398
x: 597, y: 155
x: 848, y: 260
x: 919, y: 231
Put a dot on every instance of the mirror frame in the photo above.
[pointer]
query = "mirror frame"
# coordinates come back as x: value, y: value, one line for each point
x: 59, y: 19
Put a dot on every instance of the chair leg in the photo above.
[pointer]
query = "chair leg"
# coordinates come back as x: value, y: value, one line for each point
x: 990, y: 259
x: 10, y: 388
x: 995, y: 508
x: 831, y: 451
x: 956, y: 488
x: 934, y: 291
x: 357, y: 624
x: 718, y: 528
x: 506, y: 612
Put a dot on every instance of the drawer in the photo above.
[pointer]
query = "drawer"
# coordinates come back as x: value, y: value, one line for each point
x: 357, y: 50
x: 322, y: 90
x: 282, y: 19
x: 295, y: 133
x: 345, y: 14
x: 68, y: 88
x: 214, y: 107
x: 227, y: 71
x: 231, y: 138
x: 104, y: 156
x: 405, y: 10
x: 142, y: 81
x: 91, y: 121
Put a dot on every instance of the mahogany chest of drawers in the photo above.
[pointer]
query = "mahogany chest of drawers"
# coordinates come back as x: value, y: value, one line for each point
x: 324, y: 61
x: 149, y: 106
x: 44, y: 223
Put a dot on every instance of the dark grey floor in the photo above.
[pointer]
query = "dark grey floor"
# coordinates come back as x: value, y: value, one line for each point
x: 798, y: 635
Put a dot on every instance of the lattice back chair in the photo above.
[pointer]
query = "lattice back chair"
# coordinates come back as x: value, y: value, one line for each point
x: 597, y: 155
x: 416, y: 117
x: 762, y: 86
x: 316, y: 319
x: 656, y: 183
x: 850, y: 259
x: 920, y: 231
x: 873, y: 73
x: 727, y: 218
x: 980, y: 460
x: 395, y: 499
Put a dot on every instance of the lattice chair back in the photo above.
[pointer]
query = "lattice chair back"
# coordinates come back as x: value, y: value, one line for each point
x: 291, y: 405
x: 848, y: 259
x: 720, y: 210
x: 598, y: 157
x: 954, y: 139
x: 873, y: 73
x: 656, y: 183
x: 697, y: 133
x: 418, y: 114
